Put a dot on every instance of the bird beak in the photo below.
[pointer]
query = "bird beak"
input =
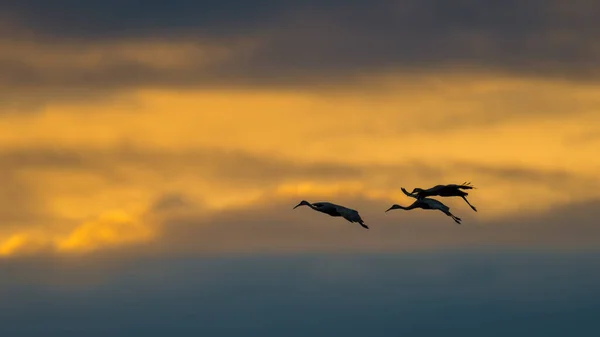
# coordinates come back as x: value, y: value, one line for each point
x: 389, y: 209
x: 297, y: 206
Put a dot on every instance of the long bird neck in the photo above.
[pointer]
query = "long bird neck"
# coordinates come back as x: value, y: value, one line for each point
x: 407, y: 208
x: 311, y: 206
x: 412, y: 206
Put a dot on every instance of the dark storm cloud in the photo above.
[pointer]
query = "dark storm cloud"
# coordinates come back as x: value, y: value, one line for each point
x: 102, y: 19
x: 303, y: 43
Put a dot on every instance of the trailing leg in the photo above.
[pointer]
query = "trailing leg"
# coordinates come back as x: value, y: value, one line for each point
x: 454, y: 217
x: 468, y: 203
x: 363, y: 224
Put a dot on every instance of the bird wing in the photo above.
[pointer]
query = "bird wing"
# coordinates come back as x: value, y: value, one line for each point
x: 329, y: 208
x: 353, y: 216
x: 435, y: 190
x: 349, y: 214
x: 408, y: 194
x: 436, y: 204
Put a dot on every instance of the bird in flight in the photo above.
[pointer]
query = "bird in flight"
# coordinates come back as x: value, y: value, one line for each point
x: 450, y: 190
x: 335, y: 210
x: 428, y: 203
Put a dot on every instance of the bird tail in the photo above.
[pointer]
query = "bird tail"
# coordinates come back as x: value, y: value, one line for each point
x: 466, y: 186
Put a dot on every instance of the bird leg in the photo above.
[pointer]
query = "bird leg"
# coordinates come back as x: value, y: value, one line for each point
x: 454, y: 217
x: 467, y: 201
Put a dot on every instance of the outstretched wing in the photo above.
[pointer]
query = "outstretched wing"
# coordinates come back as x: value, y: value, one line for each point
x: 436, y: 190
x: 351, y: 215
x: 408, y: 194
x: 436, y: 204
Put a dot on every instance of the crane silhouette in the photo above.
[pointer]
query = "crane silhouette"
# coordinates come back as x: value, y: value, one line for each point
x: 335, y: 210
x: 428, y: 203
x: 450, y: 190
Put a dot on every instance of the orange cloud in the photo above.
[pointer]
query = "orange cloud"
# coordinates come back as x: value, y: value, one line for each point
x: 110, y: 229
x: 24, y: 242
x: 230, y: 149
x: 13, y: 244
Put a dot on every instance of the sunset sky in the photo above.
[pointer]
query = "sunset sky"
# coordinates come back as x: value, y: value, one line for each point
x: 163, y: 133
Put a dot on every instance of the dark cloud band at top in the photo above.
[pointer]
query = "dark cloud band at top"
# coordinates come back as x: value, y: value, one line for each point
x: 112, y: 18
x: 315, y: 42
x: 98, y: 19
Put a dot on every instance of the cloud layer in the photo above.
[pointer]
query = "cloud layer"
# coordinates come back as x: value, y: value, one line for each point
x: 67, y: 45
x: 202, y: 202
x: 160, y: 119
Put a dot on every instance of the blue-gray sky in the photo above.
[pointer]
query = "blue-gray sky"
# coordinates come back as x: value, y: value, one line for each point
x: 466, y: 293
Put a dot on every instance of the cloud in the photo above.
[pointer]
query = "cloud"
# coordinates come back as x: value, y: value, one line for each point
x: 241, y: 167
x: 554, y: 179
x: 19, y: 202
x: 117, y: 163
x: 110, y: 228
x: 229, y: 200
x: 292, y: 43
x: 91, y: 71
x: 22, y: 242
x: 239, y: 170
x: 271, y: 226
x: 110, y: 19
x: 170, y: 202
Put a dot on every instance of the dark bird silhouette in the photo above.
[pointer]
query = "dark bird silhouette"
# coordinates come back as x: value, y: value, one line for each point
x: 335, y: 210
x: 428, y: 203
x: 450, y: 190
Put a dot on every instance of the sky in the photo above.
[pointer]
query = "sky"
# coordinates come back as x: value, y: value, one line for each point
x: 143, y: 139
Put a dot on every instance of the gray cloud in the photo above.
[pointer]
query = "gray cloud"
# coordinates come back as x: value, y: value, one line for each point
x: 115, y: 19
x: 308, y: 43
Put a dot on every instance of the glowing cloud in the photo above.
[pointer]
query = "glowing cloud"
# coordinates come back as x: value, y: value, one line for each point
x: 110, y: 229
